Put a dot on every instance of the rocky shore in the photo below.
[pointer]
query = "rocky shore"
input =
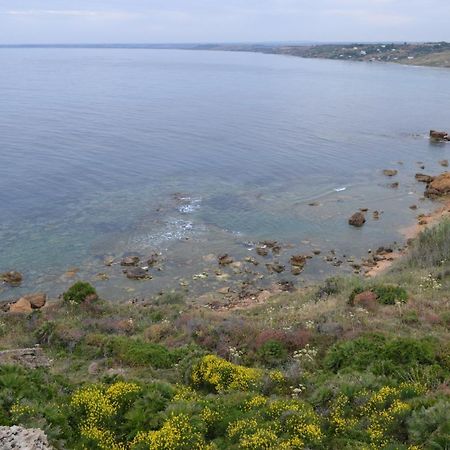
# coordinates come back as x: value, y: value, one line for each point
x: 270, y: 268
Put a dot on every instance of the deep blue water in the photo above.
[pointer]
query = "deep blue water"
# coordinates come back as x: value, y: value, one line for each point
x: 95, y: 143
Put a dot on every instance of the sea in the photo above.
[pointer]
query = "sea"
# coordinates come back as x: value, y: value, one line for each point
x: 190, y: 155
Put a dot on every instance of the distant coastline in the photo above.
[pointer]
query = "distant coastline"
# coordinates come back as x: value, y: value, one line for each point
x: 431, y: 54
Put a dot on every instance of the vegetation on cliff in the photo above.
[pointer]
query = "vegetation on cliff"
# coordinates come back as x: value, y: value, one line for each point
x: 321, y: 368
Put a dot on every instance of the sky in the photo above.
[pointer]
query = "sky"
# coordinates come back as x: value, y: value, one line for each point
x: 186, y: 21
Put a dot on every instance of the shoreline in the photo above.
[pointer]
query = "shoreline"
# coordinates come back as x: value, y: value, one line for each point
x: 409, y: 233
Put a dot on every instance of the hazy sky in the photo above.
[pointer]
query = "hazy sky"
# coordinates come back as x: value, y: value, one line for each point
x: 137, y: 21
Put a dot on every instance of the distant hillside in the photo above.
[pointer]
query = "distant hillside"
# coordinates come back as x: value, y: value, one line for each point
x: 424, y: 54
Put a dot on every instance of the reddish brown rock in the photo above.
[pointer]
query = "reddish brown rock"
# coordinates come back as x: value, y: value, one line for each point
x: 37, y: 300
x: 439, y: 186
x: 22, y: 306
x: 367, y: 300
x: 438, y: 135
x: 357, y: 220
x: 298, y: 261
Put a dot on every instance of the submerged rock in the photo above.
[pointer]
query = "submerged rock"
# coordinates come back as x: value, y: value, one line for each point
x: 357, y: 220
x: 11, y: 277
x: 444, y: 162
x: 424, y: 178
x: 130, y: 261
x: 390, y: 172
x: 137, y: 273
x: 298, y: 261
x: 275, y: 267
x: 225, y: 259
x: 262, y: 250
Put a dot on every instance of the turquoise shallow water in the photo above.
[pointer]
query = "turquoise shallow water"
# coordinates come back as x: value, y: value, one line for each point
x: 109, y: 152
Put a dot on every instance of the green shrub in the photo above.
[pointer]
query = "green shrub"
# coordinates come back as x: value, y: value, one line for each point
x: 272, y: 353
x: 380, y: 354
x: 137, y: 353
x: 390, y: 295
x: 78, y: 293
x: 429, y: 427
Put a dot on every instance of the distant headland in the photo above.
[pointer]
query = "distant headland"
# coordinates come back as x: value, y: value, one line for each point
x: 434, y: 54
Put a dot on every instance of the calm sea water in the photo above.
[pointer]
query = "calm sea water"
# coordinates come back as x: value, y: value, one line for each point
x: 110, y: 152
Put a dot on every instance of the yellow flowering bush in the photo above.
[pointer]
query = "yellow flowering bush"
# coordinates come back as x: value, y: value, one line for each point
x: 97, y: 406
x: 177, y: 433
x: 223, y: 375
x: 378, y: 416
x: 255, y: 402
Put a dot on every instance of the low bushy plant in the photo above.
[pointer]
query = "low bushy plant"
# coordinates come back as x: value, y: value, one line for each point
x: 390, y: 295
x: 380, y: 354
x: 79, y: 292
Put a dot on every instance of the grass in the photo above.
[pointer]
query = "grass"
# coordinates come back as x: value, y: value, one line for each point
x: 432, y: 247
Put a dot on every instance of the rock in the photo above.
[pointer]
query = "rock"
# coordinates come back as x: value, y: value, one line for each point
x: 438, y: 135
x: 102, y: 276
x: 330, y: 328
x: 108, y: 261
x: 224, y: 290
x: 263, y: 296
x: 37, y: 300
x: 313, y: 204
x: 22, y: 306
x: 130, y: 261
x: 390, y: 172
x: 19, y: 438
x: 209, y: 258
x: 11, y: 277
x: 94, y: 368
x: 275, y: 267
x: 439, y: 186
x: 298, y: 261
x: 251, y: 260
x: 413, y: 207
x: 153, y: 260
x: 376, y: 215
x: 444, y: 162
x: 394, y: 185
x: 137, y: 273
x: 367, y: 300
x: 317, y: 252
x: 273, y: 245
x: 364, y: 210
x: 225, y: 260
x: 357, y: 220
x: 424, y: 178
x: 30, y: 358
x: 285, y: 286
x: 262, y: 250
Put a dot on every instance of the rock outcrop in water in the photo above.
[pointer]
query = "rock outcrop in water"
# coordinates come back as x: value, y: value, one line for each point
x: 439, y: 186
x: 14, y: 278
x: 357, y: 220
x: 439, y: 135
